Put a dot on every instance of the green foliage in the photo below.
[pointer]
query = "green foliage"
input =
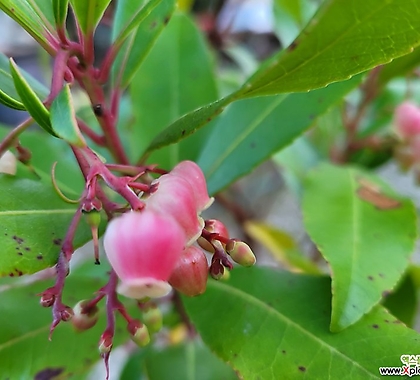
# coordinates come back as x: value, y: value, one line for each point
x: 365, y: 232
x: 261, y: 322
x: 89, y: 13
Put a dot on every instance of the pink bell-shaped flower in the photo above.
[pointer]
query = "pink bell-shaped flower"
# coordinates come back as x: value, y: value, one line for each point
x: 143, y: 248
x: 175, y: 197
x: 407, y: 120
x: 193, y: 174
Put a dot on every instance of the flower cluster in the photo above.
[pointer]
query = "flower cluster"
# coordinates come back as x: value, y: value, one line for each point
x: 407, y: 127
x: 154, y: 249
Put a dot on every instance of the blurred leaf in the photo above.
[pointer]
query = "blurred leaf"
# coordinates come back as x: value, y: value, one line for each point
x: 251, y: 130
x: 270, y: 324
x: 148, y: 28
x: 24, y: 346
x: 343, y: 39
x: 293, y: 7
x: 282, y: 246
x: 399, y: 67
x: 188, y: 83
x: 63, y: 118
x: 402, y: 302
x: 89, y: 13
x: 187, y: 361
x: 29, y: 98
x: 8, y: 94
x: 34, y: 222
x: 60, y: 8
x: 364, y: 230
x: 30, y: 15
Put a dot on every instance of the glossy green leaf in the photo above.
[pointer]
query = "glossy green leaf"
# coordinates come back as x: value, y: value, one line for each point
x: 60, y: 8
x: 8, y: 93
x: 189, y: 361
x: 344, y: 38
x: 269, y: 324
x: 29, y: 98
x: 140, y: 42
x: 364, y: 230
x: 34, y: 221
x: 89, y: 13
x: 33, y: 16
x: 252, y: 130
x: 25, y: 349
x: 63, y: 118
x: 189, y: 83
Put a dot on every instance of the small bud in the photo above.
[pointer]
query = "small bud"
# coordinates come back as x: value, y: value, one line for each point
x: 241, y: 253
x: 105, y: 343
x: 85, y: 316
x: 216, y: 227
x: 93, y: 218
x: 190, y: 274
x: 152, y: 317
x: 217, y: 270
x: 407, y: 120
x: 67, y: 314
x: 8, y: 163
x: 47, y: 299
x: 138, y: 333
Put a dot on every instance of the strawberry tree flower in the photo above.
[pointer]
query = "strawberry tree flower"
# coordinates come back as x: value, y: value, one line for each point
x: 407, y: 120
x: 143, y: 249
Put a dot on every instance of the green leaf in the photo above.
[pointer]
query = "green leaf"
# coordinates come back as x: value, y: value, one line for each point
x: 364, y: 230
x: 34, y: 222
x: 251, y: 130
x: 29, y: 98
x: 89, y: 13
x: 270, y: 324
x: 187, y: 361
x: 8, y: 95
x: 344, y: 38
x: 148, y: 28
x: 24, y: 346
x: 60, y: 8
x: 63, y: 118
x: 33, y: 16
x: 188, y: 83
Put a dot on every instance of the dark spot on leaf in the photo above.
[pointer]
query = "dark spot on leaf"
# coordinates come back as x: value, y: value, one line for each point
x: 397, y: 322
x: 27, y: 249
x: 353, y: 306
x: 283, y: 352
x: 371, y: 193
x: 166, y: 19
x: 20, y: 253
x: 48, y: 373
x: 375, y: 326
x: 209, y: 119
x: 320, y: 100
x: 252, y: 145
x: 311, y: 116
x: 370, y: 278
x: 11, y: 274
x: 17, y: 239
x: 302, y: 368
x: 183, y: 132
x: 40, y: 257
x: 386, y: 321
x: 153, y: 25
x: 381, y: 275
x: 235, y: 355
x: 386, y: 293
x: 6, y: 234
x: 57, y: 241
x: 18, y: 272
x: 293, y: 46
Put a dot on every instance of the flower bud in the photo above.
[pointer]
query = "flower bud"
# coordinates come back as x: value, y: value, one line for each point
x: 216, y: 227
x: 192, y: 173
x: 143, y: 248
x: 152, y: 318
x: 407, y: 120
x: 105, y: 343
x: 85, y: 316
x: 217, y: 270
x: 138, y: 333
x: 47, y: 299
x: 190, y: 274
x: 93, y: 218
x: 8, y: 163
x: 241, y: 253
x: 67, y: 314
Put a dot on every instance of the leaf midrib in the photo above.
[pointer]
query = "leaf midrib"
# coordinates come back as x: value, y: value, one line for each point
x: 252, y: 300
